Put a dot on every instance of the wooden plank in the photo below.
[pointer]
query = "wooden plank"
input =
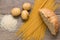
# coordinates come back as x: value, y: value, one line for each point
x: 7, y: 5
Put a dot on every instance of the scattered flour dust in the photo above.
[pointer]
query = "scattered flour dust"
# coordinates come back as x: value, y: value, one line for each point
x: 9, y: 23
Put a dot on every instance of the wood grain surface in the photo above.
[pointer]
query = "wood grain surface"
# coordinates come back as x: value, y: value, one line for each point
x: 7, y: 5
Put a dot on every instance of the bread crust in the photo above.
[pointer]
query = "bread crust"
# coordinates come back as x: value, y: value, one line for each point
x: 51, y: 16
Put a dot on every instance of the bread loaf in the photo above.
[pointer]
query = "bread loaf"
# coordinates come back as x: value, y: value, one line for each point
x: 50, y: 19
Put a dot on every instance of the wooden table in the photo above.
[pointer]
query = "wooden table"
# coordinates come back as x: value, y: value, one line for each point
x: 7, y: 5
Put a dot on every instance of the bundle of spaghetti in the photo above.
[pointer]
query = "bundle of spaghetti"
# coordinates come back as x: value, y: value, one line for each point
x: 35, y: 27
x: 31, y: 20
x: 37, y: 21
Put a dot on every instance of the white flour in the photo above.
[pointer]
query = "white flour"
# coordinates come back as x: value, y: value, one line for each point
x: 8, y: 23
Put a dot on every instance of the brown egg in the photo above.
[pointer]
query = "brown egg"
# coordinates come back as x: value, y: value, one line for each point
x: 24, y: 14
x: 15, y: 11
x: 27, y: 6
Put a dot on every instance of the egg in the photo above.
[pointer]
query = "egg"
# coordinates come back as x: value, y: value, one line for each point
x: 24, y: 15
x: 16, y: 11
x: 26, y: 6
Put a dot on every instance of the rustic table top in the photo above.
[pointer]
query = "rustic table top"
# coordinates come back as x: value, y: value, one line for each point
x: 7, y: 5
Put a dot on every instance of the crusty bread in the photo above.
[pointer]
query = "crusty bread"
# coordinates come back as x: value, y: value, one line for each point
x: 50, y: 19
